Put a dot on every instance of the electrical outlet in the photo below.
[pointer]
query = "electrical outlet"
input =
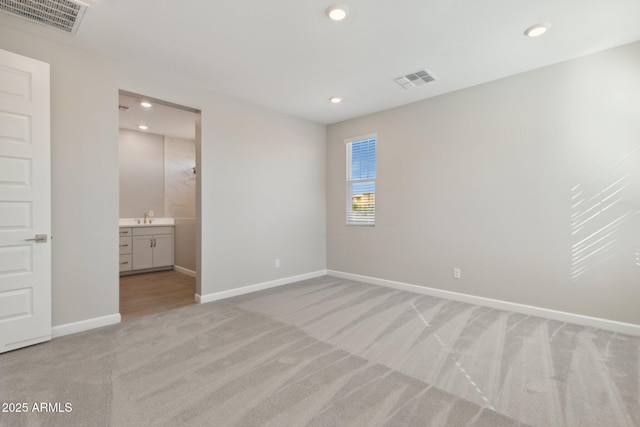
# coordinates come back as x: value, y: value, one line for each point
x: 456, y: 273
x: 277, y: 263
x: 151, y: 212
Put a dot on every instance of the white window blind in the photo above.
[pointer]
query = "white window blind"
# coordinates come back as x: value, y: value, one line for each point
x: 361, y: 181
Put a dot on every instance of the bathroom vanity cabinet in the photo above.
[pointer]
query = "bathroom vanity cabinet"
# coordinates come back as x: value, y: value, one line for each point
x: 146, y: 248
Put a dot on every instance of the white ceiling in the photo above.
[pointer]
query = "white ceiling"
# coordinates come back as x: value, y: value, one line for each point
x: 288, y: 56
x: 159, y: 118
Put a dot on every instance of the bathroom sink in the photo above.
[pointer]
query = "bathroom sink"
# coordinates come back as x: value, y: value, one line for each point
x: 151, y: 222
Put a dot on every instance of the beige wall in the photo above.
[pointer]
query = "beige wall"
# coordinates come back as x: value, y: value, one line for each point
x: 514, y: 182
x: 156, y: 173
x: 142, y: 174
x: 261, y: 176
x: 185, y: 243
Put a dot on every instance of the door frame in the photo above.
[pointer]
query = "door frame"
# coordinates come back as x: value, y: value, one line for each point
x: 198, y: 207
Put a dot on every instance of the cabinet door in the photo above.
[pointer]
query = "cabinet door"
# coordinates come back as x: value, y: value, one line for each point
x: 142, y: 252
x: 163, y: 250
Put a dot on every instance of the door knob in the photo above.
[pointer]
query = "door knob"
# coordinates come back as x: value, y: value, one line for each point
x: 40, y: 238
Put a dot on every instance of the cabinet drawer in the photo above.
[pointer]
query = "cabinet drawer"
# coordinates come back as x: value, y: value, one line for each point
x: 125, y: 262
x: 125, y: 231
x: 125, y: 245
x: 151, y: 231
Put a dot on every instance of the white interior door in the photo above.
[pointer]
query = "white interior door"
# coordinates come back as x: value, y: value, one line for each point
x: 25, y: 202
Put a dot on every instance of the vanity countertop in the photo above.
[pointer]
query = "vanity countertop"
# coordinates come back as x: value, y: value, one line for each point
x: 151, y: 222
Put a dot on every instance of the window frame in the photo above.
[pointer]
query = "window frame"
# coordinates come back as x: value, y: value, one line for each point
x: 349, y: 212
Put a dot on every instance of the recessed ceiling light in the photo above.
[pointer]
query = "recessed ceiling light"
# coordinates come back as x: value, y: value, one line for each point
x: 335, y: 99
x: 145, y: 104
x: 537, y: 30
x: 143, y: 127
x: 337, y: 12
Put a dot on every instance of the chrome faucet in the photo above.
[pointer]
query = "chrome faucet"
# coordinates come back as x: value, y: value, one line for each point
x: 145, y: 217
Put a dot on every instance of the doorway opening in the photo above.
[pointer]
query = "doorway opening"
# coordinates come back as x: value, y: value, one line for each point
x: 159, y: 227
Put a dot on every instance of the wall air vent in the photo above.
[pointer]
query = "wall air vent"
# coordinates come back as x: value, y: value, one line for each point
x: 415, y: 79
x: 62, y: 15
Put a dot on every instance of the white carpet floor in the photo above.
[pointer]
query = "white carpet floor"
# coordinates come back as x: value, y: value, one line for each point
x: 330, y: 352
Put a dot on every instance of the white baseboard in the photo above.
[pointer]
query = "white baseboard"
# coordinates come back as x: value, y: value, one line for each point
x: 562, y: 316
x: 257, y: 287
x: 184, y: 271
x: 85, y: 325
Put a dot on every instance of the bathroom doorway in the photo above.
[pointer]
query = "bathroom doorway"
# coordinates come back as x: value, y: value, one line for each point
x: 158, y: 157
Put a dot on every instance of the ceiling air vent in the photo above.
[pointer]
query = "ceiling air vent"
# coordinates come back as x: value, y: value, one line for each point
x: 62, y: 15
x: 415, y: 79
x: 123, y: 108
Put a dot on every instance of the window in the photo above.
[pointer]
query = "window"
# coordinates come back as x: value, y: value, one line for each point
x: 361, y: 180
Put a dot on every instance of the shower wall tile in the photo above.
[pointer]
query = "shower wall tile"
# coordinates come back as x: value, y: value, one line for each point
x: 180, y: 180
